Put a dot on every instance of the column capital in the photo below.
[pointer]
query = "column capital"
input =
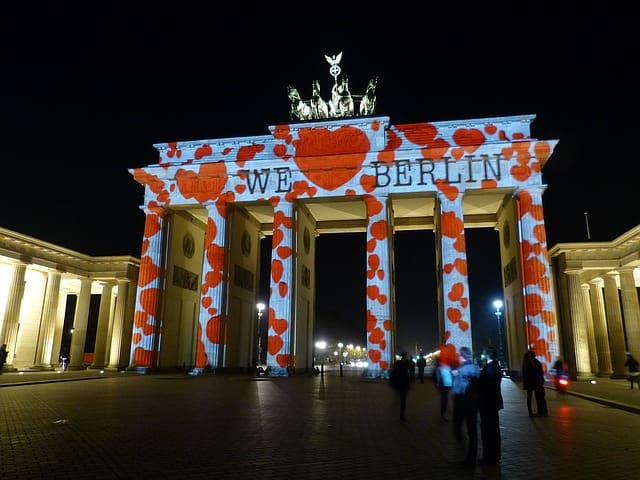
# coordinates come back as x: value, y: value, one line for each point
x: 153, y: 209
x: 25, y: 260
x: 518, y: 191
x: 627, y: 269
x: 444, y: 196
x: 598, y: 282
x: 572, y: 272
x: 215, y: 209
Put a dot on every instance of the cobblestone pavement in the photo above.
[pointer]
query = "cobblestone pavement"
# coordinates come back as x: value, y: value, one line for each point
x: 128, y: 426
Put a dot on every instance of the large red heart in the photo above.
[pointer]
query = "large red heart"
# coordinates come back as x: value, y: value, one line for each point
x: 205, y: 185
x: 329, y: 159
x: 274, y: 344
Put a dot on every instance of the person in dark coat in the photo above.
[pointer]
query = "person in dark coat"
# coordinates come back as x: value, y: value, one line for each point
x: 490, y: 402
x: 421, y: 362
x: 400, y: 379
x: 3, y: 356
x: 533, y: 383
x: 634, y: 370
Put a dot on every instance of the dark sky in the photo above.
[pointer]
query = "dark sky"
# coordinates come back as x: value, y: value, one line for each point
x: 86, y: 95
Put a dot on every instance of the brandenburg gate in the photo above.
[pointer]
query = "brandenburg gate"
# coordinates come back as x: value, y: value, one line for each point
x: 334, y: 168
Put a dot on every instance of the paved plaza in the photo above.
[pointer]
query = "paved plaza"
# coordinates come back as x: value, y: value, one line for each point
x: 92, y: 425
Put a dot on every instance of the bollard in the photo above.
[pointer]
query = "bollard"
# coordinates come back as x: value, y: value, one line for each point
x: 340, y: 368
x: 322, y: 369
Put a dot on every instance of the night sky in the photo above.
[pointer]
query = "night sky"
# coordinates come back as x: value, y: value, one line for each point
x: 88, y: 102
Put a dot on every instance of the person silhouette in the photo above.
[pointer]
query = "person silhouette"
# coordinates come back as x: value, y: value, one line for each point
x: 465, y: 403
x: 490, y: 403
x: 634, y: 372
x: 421, y: 362
x: 400, y: 379
x: 444, y: 382
x: 3, y: 356
x: 533, y: 383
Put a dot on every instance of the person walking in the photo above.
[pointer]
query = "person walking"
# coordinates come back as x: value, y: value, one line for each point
x: 3, y: 356
x: 490, y: 403
x: 634, y: 372
x: 444, y: 382
x: 533, y: 383
x: 465, y: 404
x: 400, y: 379
x: 422, y: 364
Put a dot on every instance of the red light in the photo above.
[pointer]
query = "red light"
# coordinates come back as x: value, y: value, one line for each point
x: 564, y: 382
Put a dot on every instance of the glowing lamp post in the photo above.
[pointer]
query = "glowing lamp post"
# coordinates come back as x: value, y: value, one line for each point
x: 498, y: 313
x: 260, y: 307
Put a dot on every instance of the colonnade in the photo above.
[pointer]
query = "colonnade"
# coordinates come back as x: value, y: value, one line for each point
x: 597, y: 284
x: 36, y: 279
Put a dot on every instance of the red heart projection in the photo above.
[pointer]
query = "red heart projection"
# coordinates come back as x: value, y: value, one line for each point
x: 342, y: 151
x: 205, y: 185
x: 274, y: 344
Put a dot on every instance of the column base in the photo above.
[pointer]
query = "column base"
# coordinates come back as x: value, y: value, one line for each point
x: 278, y: 371
x: 76, y: 367
x: 41, y: 368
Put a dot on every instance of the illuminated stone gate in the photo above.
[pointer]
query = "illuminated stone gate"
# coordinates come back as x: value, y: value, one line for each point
x: 209, y: 202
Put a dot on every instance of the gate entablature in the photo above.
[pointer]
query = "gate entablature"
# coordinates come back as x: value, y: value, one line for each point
x: 350, y: 157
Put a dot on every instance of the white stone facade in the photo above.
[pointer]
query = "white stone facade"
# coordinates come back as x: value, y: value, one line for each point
x: 597, y: 291
x: 36, y: 280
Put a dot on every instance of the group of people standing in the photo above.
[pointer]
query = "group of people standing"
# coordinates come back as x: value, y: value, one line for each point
x: 476, y: 393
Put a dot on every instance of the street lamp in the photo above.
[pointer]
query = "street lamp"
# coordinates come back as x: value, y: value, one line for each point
x: 260, y: 307
x: 498, y: 313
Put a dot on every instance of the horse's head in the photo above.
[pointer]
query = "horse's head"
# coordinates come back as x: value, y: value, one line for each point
x: 315, y: 88
x: 371, y: 87
x: 293, y: 94
x: 343, y: 89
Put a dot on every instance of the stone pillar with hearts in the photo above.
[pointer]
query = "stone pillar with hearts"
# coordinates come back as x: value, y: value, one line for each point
x: 453, y: 258
x: 279, y: 355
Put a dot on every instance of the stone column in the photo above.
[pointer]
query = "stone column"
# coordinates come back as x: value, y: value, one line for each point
x: 211, y: 332
x: 128, y: 324
x: 279, y: 345
x: 80, y: 321
x: 630, y: 310
x: 616, y: 331
x: 116, y: 362
x: 11, y: 324
x: 578, y: 327
x: 455, y: 278
x: 600, y: 328
x: 380, y: 319
x: 540, y: 316
x: 104, y: 314
x: 56, y: 352
x: 145, y: 327
x: 48, y: 321
x: 588, y: 318
x: 112, y: 316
